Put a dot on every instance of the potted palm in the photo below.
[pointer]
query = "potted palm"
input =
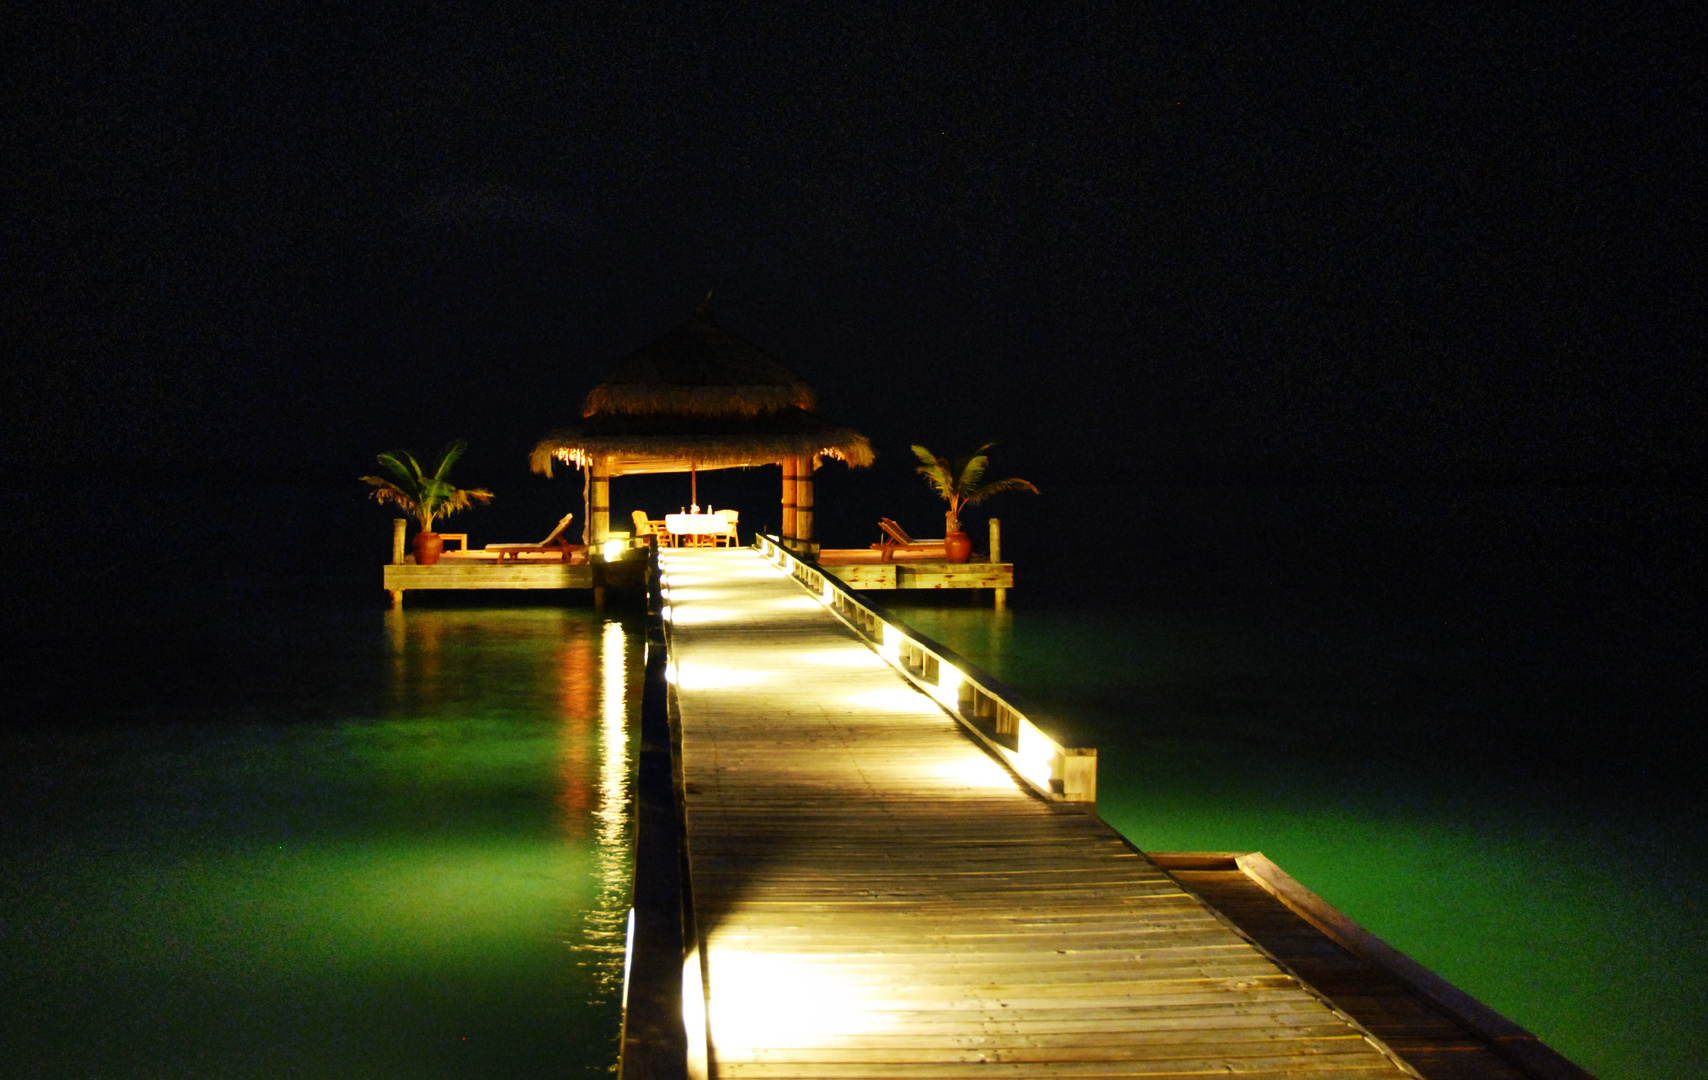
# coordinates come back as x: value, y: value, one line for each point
x: 961, y: 482
x: 424, y: 495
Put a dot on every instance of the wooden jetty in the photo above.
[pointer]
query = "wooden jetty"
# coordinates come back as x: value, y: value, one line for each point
x: 834, y: 880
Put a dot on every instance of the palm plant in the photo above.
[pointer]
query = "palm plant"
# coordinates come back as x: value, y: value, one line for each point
x: 961, y: 481
x: 420, y: 494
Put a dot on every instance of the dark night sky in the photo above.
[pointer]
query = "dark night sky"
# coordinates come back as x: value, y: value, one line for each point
x: 1399, y: 241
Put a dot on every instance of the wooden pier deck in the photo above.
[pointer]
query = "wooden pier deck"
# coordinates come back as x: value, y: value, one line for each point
x: 875, y: 896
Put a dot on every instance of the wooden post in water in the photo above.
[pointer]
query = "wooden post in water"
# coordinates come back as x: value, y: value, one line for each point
x: 788, y: 533
x: 996, y: 559
x: 398, y: 525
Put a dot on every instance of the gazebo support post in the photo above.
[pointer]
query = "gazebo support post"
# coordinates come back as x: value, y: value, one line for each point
x: 788, y: 536
x: 804, y: 545
x: 996, y: 560
x: 599, y: 502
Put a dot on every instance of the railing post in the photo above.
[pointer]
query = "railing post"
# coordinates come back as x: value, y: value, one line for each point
x: 996, y: 560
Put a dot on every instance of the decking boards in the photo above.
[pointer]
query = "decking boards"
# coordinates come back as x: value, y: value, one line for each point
x: 877, y: 897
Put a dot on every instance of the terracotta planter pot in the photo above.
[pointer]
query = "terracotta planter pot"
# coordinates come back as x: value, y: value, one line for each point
x: 428, y: 547
x: 957, y: 547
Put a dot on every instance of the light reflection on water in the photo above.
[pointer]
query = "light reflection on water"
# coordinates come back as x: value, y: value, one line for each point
x: 426, y: 875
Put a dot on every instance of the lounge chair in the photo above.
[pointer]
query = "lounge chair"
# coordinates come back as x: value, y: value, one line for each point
x: 897, y: 540
x: 555, y: 542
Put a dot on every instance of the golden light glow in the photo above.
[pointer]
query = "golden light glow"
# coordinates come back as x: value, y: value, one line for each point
x: 890, y: 645
x: 614, y: 548
x: 851, y: 658
x: 628, y: 956
x: 797, y: 603
x: 949, y: 680
x: 702, y: 677
x: 901, y: 698
x: 779, y: 1001
x: 976, y: 770
x: 679, y: 594
x: 613, y: 812
x: 694, y: 1013
x: 829, y: 593
x: 1035, y: 756
x: 696, y: 616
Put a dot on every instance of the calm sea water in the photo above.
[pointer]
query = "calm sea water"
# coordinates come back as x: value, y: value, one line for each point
x: 319, y: 843
x: 256, y: 826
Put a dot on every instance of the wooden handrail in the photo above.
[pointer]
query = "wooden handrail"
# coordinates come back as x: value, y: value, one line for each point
x: 990, y: 711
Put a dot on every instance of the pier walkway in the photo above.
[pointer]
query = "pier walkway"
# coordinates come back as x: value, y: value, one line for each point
x: 876, y: 896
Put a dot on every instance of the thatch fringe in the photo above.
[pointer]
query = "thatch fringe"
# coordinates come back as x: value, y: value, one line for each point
x: 576, y: 446
x: 651, y: 398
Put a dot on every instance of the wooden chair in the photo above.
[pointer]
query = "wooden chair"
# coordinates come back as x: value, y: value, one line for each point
x: 895, y: 539
x: 646, y: 527
x: 555, y: 542
x: 729, y: 537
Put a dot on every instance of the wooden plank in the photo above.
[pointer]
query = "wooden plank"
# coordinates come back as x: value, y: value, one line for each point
x: 950, y: 576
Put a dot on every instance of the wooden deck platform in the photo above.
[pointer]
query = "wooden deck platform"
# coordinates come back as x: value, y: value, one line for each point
x: 863, y: 569
x: 478, y: 570
x: 875, y: 896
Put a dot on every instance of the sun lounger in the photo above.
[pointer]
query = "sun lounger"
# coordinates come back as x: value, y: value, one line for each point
x: 555, y: 542
x: 897, y: 540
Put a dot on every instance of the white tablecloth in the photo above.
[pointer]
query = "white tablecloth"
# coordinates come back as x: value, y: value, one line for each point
x: 695, y: 524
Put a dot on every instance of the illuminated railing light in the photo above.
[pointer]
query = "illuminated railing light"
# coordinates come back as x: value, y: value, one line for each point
x: 614, y: 548
x: 890, y: 645
x: 949, y: 681
x: 1035, y: 755
x: 670, y: 673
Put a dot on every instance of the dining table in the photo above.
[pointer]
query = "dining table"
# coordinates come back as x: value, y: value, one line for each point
x: 696, y: 525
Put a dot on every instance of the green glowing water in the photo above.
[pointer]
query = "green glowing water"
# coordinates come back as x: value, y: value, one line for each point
x: 1566, y: 895
x: 421, y: 874
x: 276, y: 841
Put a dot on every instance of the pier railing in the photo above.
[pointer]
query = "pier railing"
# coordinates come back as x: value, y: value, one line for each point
x: 990, y: 711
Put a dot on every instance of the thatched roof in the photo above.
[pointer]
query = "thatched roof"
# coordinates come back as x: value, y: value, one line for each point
x: 701, y: 369
x: 699, y: 396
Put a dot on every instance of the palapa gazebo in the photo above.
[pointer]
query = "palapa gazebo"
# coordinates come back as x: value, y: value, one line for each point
x: 702, y: 398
